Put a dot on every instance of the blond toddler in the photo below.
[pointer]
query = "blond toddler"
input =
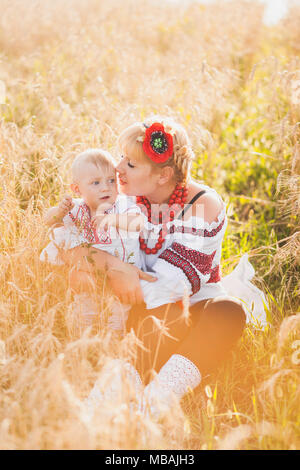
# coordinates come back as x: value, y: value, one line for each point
x: 99, y: 217
x: 104, y: 220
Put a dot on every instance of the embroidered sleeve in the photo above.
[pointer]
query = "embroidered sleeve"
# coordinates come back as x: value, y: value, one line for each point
x: 194, y: 254
x: 68, y: 220
x: 78, y: 222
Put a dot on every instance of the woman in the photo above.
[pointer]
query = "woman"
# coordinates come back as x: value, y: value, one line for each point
x: 183, y: 243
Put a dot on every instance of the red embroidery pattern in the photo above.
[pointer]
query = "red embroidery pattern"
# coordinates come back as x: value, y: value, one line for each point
x: 201, y: 261
x: 187, y: 268
x: 82, y: 221
x: 198, y: 232
x: 215, y: 275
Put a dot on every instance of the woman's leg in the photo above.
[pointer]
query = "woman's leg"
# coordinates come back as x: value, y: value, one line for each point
x: 152, y: 327
x: 217, y: 326
x: 214, y: 327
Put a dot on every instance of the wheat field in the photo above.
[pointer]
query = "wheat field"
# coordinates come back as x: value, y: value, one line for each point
x: 73, y: 74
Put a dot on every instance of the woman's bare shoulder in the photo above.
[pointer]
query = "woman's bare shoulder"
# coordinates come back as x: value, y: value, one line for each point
x: 207, y: 206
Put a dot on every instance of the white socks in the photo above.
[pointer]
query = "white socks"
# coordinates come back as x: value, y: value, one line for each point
x: 119, y: 314
x: 172, y: 382
x: 82, y: 313
x: 119, y: 382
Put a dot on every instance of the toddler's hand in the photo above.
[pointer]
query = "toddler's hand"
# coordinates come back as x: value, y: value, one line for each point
x: 65, y: 205
x: 101, y: 221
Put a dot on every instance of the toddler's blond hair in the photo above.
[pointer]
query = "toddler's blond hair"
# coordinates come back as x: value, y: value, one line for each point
x: 98, y: 157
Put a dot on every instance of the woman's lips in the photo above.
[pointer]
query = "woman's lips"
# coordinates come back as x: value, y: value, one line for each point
x: 121, y: 181
x: 104, y: 197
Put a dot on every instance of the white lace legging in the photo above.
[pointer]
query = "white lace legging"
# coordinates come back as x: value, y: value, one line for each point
x: 215, y: 326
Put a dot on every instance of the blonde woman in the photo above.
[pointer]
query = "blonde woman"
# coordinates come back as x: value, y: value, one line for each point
x: 182, y: 242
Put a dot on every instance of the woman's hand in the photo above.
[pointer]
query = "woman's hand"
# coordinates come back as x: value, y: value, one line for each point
x: 123, y: 278
x: 125, y: 283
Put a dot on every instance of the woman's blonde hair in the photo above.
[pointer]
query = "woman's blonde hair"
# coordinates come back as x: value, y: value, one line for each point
x: 131, y: 142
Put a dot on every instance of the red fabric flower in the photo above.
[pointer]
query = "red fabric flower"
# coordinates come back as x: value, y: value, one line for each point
x: 158, y: 144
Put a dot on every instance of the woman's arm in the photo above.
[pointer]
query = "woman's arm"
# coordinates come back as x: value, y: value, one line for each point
x: 207, y: 207
x: 123, y: 278
x: 129, y: 222
x: 193, y: 258
x: 53, y: 216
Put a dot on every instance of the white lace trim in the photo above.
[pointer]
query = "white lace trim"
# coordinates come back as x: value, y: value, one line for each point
x: 119, y: 314
x: 115, y: 374
x: 172, y: 382
x: 82, y: 313
x: 112, y: 386
x: 179, y: 374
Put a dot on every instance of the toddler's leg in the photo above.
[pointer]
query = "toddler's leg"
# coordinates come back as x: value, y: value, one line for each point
x: 119, y: 382
x: 119, y: 314
x: 81, y: 281
x: 83, y: 312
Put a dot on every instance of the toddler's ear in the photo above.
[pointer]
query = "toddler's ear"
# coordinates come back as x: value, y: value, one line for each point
x: 75, y: 188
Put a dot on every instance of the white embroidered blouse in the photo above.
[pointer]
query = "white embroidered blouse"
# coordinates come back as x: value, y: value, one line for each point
x: 189, y: 260
x: 77, y: 230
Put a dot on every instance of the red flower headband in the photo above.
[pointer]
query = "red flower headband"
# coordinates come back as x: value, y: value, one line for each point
x: 158, y: 144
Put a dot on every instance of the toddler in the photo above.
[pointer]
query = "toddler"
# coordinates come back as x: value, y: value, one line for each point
x: 119, y: 222
x: 104, y: 220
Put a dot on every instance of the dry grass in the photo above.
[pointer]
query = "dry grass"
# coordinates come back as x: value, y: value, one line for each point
x: 73, y: 75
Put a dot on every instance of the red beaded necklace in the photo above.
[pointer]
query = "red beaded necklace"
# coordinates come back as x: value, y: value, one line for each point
x: 176, y: 201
